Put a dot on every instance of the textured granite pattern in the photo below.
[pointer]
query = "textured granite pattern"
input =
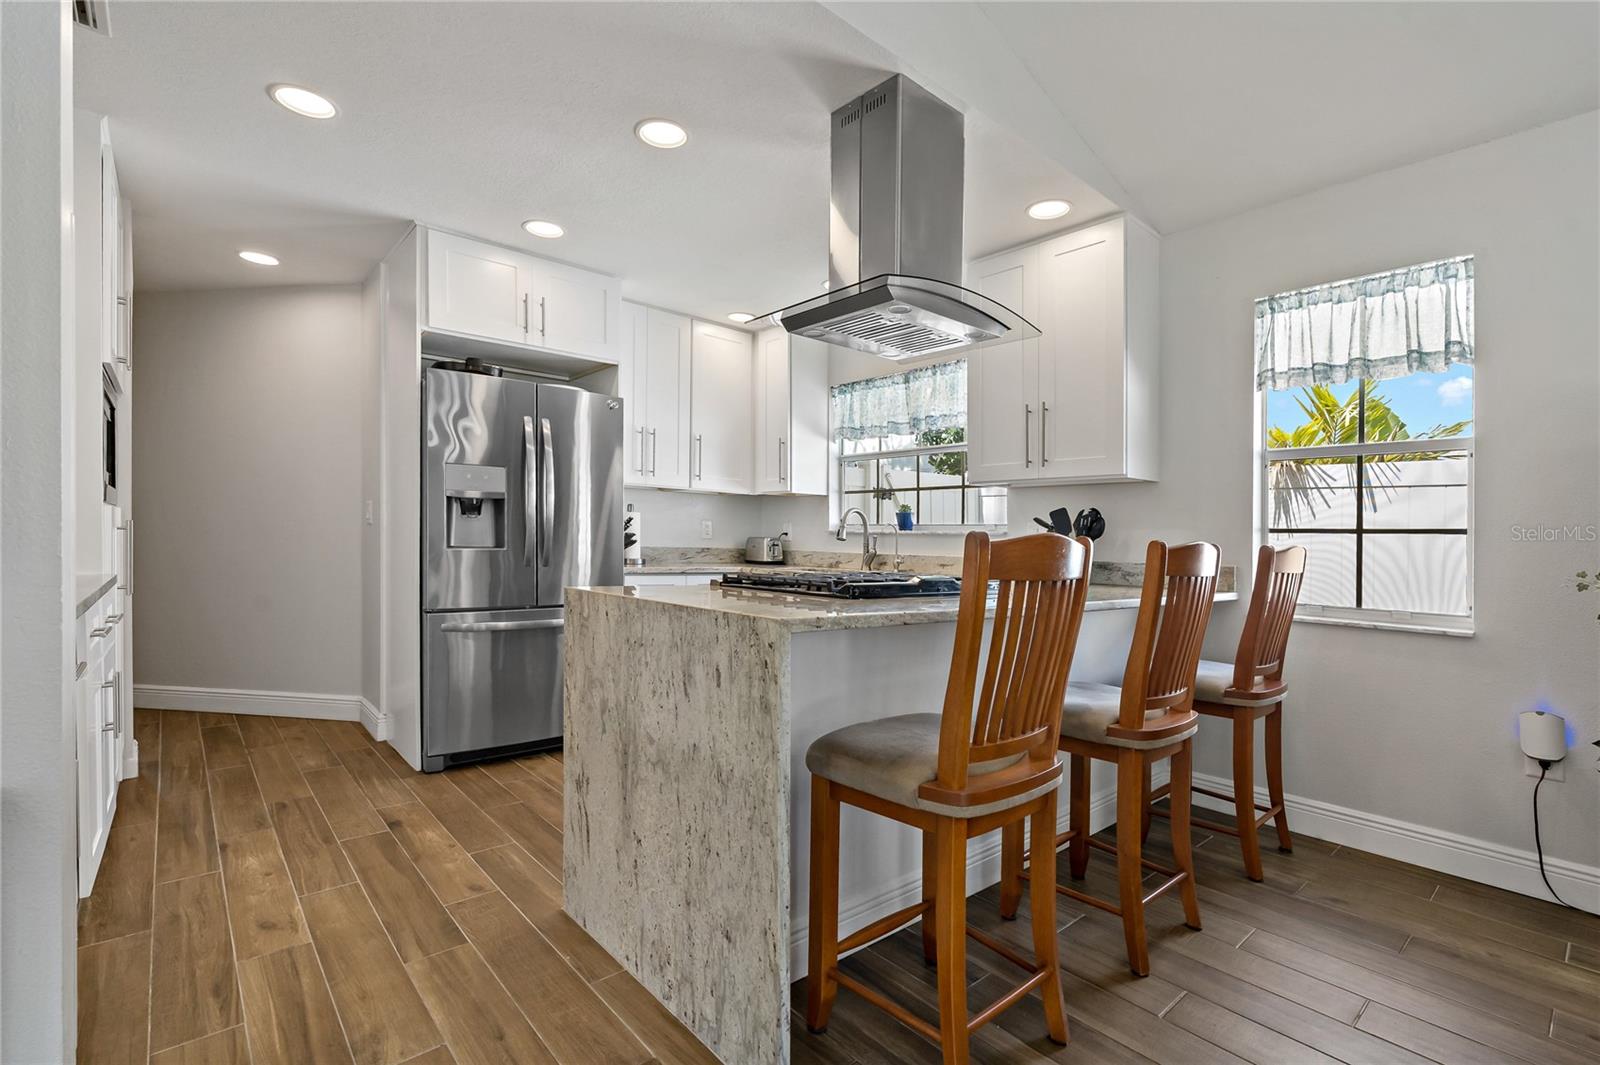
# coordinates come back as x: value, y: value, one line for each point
x: 677, y: 727
x: 801, y: 613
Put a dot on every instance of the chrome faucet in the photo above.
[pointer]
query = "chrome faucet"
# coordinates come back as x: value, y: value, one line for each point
x: 869, y: 539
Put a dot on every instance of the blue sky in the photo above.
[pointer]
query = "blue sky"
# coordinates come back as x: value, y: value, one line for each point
x: 1423, y: 400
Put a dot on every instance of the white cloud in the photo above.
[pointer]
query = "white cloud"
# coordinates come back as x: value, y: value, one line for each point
x: 1455, y: 391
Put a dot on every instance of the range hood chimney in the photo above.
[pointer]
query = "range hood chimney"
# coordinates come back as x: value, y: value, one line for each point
x: 894, y: 238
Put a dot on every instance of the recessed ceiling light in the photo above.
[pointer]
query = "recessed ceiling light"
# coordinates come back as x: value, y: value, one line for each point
x: 540, y: 228
x: 302, y: 101
x: 260, y: 258
x: 659, y: 133
x: 741, y: 317
x: 1045, y: 210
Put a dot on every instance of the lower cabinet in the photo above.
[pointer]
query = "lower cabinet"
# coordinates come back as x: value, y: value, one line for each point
x: 102, y: 721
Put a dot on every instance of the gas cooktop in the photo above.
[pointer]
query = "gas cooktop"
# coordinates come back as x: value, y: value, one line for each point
x: 846, y: 584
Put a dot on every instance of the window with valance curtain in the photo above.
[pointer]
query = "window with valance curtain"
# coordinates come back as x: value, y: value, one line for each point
x: 902, y: 441
x: 1367, y: 389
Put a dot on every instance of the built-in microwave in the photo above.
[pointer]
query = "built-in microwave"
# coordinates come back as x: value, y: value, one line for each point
x: 110, y: 393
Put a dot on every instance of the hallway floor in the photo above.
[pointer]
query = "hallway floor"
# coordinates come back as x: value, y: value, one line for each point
x: 277, y: 890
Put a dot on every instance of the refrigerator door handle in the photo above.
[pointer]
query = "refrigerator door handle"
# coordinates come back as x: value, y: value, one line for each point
x: 501, y: 626
x: 547, y: 495
x: 530, y: 462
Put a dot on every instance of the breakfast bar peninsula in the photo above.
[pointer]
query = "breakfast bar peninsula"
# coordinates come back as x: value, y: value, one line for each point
x: 688, y: 715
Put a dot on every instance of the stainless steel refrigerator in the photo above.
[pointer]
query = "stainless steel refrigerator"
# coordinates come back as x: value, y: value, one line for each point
x: 521, y: 498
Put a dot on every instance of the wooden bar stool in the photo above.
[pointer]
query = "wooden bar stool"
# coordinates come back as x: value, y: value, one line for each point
x: 1148, y: 718
x: 978, y: 766
x: 1252, y: 687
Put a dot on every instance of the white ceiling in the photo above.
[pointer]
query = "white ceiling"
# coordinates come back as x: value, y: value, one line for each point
x: 1202, y: 110
x: 477, y: 116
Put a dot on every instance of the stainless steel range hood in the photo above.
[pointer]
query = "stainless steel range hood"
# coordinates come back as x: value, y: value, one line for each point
x: 894, y: 240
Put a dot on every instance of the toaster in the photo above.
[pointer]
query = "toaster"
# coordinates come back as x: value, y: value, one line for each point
x: 767, y: 549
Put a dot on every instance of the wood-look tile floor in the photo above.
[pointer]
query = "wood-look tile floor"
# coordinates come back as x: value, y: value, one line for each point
x: 277, y: 890
x: 281, y: 890
x: 1338, y: 956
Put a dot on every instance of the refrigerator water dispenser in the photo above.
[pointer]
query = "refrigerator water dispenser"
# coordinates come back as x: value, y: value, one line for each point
x: 475, y: 506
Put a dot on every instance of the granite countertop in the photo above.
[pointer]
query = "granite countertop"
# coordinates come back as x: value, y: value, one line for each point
x: 803, y: 613
x: 90, y: 587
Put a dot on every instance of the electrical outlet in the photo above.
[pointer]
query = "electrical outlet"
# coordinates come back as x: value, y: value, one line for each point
x: 788, y: 528
x: 369, y: 512
x: 1555, y: 775
x: 705, y: 528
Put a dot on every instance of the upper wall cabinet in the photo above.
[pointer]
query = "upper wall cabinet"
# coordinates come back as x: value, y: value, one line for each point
x: 1080, y: 403
x: 483, y: 290
x: 720, y: 417
x: 791, y: 414
x: 653, y: 380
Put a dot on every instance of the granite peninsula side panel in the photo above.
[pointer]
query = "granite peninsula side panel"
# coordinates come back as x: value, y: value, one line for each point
x: 677, y: 792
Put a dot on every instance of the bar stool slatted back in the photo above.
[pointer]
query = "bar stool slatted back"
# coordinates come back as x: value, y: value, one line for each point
x: 987, y: 761
x: 1252, y: 687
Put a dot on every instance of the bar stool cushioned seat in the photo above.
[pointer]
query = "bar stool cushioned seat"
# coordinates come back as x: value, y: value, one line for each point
x: 1089, y: 709
x: 893, y: 757
x: 1213, y: 683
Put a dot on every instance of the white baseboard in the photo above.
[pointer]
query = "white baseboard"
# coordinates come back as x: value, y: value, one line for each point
x: 241, y: 701
x: 983, y: 869
x: 374, y: 721
x: 1472, y: 859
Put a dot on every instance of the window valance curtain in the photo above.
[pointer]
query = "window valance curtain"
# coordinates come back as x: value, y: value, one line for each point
x: 1380, y: 326
x: 902, y: 404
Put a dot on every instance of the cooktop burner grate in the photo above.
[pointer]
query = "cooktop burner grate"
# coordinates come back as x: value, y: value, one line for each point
x: 846, y: 584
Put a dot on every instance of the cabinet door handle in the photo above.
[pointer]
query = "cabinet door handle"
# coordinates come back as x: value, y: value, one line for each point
x: 1027, y: 435
x: 652, y: 452
x: 641, y: 449
x: 700, y: 461
x: 525, y: 314
x: 1044, y: 418
x: 541, y: 316
x: 98, y: 633
x: 112, y: 619
x: 783, y: 447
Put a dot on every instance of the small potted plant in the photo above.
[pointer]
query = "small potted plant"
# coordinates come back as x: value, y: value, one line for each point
x: 902, y: 517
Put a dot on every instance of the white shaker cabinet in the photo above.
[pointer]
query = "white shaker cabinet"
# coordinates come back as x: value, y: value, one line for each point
x: 791, y: 414
x: 1080, y: 404
x: 654, y: 381
x: 1003, y: 379
x: 479, y: 289
x: 102, y: 721
x: 483, y: 290
x: 720, y: 420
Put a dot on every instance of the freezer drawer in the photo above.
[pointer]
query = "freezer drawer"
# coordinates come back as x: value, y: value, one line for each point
x: 492, y: 680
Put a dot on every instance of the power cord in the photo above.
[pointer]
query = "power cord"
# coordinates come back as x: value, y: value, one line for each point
x: 1544, y: 767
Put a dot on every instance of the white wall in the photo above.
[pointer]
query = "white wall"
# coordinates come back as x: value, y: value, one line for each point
x: 672, y: 519
x: 371, y: 386
x: 1419, y: 728
x: 38, y: 849
x: 247, y: 438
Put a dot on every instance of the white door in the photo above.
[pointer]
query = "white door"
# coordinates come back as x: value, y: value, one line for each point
x: 575, y: 311
x: 720, y: 420
x: 1081, y: 354
x: 1003, y: 415
x: 110, y: 255
x: 773, y: 454
x: 479, y: 289
x: 666, y: 388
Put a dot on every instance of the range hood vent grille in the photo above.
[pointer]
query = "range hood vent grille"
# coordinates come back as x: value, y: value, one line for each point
x: 885, y: 332
x: 894, y: 237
